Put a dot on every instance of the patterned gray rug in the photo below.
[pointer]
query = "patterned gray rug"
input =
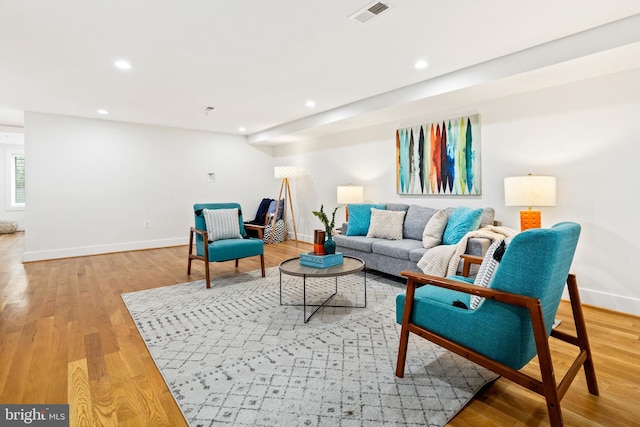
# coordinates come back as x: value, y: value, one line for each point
x: 232, y: 355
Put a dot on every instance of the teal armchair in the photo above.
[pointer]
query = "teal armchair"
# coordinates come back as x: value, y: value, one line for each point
x: 220, y: 250
x: 514, y: 322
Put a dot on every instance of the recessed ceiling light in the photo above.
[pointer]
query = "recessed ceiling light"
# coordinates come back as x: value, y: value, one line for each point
x: 122, y: 64
x: 310, y: 104
x: 103, y: 112
x: 420, y: 64
x: 242, y: 129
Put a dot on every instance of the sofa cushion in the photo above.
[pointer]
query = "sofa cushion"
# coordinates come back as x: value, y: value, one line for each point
x: 395, y: 248
x: 386, y: 224
x: 359, y: 218
x: 415, y: 221
x: 433, y: 231
x: 416, y: 254
x: 358, y: 243
x: 461, y: 221
x: 397, y: 207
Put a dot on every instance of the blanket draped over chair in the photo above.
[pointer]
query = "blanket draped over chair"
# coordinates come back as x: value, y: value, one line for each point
x: 443, y: 260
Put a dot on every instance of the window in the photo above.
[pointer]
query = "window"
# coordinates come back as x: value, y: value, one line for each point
x: 16, y: 170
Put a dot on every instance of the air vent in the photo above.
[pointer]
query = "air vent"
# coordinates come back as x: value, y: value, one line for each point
x: 369, y: 12
x: 207, y: 109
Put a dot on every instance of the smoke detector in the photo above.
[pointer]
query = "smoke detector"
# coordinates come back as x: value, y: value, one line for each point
x: 207, y: 109
x: 369, y: 12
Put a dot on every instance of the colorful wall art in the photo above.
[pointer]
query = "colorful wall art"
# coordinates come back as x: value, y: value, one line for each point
x: 440, y: 158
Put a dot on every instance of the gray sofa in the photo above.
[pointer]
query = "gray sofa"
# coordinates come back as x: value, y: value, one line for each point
x: 394, y: 256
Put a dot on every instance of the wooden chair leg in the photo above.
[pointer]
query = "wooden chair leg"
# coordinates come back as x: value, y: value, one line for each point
x: 404, y: 332
x: 190, y: 252
x: 206, y: 261
x: 581, y: 332
x: 208, y: 276
x: 237, y: 263
x: 262, y: 264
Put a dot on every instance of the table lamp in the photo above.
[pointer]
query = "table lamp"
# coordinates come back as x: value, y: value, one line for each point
x: 349, y: 194
x: 529, y: 191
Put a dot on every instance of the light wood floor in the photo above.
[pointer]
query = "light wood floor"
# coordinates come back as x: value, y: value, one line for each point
x: 66, y: 337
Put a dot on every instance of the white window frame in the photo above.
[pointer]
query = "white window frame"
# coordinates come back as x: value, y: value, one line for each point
x: 11, y: 204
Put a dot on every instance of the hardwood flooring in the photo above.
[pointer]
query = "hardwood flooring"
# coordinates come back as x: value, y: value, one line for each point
x: 67, y: 337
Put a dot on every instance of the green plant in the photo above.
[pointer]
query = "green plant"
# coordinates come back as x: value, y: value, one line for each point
x: 322, y: 216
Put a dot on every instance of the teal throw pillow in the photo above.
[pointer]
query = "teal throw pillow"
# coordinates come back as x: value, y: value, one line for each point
x: 360, y: 217
x: 461, y: 221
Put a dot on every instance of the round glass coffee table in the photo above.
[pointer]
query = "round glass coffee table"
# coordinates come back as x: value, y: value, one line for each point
x: 349, y: 265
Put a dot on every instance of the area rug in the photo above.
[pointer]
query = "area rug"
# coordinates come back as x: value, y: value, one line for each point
x: 232, y: 355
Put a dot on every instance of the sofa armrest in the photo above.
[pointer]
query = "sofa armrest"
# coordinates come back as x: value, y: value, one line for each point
x: 345, y: 226
x: 477, y: 246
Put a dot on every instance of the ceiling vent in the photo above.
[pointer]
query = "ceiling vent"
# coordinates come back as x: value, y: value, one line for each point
x: 369, y: 12
x: 207, y: 109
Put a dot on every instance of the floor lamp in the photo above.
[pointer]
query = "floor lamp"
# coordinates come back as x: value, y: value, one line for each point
x: 284, y: 173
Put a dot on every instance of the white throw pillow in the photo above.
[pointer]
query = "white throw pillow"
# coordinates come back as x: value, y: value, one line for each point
x: 386, y: 224
x: 433, y: 231
x: 488, y: 267
x: 222, y: 224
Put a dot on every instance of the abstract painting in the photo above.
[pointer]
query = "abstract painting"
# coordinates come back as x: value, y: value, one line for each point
x: 440, y: 158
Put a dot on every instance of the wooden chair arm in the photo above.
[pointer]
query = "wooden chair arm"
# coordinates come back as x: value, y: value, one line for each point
x: 467, y: 260
x: 415, y: 279
x: 203, y: 233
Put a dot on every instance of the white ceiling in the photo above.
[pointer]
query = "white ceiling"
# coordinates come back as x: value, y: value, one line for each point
x: 257, y: 62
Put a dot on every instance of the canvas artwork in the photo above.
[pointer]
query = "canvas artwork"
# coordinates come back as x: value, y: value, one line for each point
x: 440, y: 158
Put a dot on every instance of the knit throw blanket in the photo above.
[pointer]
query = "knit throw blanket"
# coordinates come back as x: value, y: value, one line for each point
x: 443, y: 260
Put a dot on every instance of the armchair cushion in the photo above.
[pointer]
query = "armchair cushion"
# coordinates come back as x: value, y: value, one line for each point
x: 222, y: 224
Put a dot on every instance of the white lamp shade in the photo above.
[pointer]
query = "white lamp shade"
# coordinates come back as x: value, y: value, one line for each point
x: 530, y: 190
x: 350, y: 194
x: 285, y: 171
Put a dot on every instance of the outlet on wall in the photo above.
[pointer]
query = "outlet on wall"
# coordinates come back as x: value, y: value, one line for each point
x: 147, y: 223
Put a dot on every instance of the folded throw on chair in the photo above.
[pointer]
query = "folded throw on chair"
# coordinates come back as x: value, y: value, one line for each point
x: 443, y: 260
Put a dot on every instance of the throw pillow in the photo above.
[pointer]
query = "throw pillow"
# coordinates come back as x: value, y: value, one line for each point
x: 222, y: 224
x: 461, y: 221
x: 386, y: 224
x: 359, y: 218
x: 433, y: 231
x: 272, y: 209
x: 489, y: 265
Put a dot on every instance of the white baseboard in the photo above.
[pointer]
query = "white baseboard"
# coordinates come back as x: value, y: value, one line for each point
x: 609, y: 301
x: 102, y: 249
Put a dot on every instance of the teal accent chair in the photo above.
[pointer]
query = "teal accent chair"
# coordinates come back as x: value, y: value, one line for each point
x: 221, y: 250
x: 514, y: 322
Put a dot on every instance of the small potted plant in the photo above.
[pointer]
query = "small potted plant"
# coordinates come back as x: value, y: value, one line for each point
x: 329, y: 245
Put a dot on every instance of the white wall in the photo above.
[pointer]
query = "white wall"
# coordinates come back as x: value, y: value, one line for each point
x: 9, y: 143
x: 92, y: 183
x: 587, y: 134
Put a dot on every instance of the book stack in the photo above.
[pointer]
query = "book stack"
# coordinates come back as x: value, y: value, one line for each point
x: 310, y: 259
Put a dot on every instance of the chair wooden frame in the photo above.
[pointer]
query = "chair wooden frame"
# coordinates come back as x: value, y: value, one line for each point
x: 205, y: 256
x: 547, y: 387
